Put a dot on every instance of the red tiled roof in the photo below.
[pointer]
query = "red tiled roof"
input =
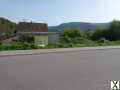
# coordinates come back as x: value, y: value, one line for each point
x: 32, y: 27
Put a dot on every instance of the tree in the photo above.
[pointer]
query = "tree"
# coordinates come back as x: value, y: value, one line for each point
x: 114, y: 31
x: 98, y: 34
x: 70, y: 36
x: 26, y: 38
x: 7, y: 27
x: 88, y: 34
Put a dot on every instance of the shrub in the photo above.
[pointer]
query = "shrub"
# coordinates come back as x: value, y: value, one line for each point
x: 26, y: 38
x: 70, y: 36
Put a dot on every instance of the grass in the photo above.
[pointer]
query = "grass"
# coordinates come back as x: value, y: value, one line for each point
x: 87, y: 43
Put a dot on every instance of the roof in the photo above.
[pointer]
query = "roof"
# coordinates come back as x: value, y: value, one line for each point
x: 32, y: 27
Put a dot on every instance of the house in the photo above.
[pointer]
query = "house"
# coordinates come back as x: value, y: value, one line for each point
x: 39, y: 31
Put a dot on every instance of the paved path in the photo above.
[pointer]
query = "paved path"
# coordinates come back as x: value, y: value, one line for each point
x: 74, y: 70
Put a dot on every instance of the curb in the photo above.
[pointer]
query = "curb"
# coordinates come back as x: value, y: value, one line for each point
x: 47, y: 51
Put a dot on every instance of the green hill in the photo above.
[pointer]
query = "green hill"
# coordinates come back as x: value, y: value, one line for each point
x: 78, y: 25
x: 6, y: 25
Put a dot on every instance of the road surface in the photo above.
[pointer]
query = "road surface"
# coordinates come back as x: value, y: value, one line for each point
x: 75, y: 70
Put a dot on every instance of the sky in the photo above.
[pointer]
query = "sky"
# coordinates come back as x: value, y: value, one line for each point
x: 55, y: 12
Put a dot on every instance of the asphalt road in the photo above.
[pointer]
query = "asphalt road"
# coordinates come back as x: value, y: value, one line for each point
x: 80, y: 70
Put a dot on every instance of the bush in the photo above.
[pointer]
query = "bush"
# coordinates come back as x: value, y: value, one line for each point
x: 70, y: 36
x: 18, y: 46
x: 51, y: 46
x: 26, y: 38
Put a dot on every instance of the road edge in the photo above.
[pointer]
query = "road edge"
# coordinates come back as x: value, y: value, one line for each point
x: 47, y: 51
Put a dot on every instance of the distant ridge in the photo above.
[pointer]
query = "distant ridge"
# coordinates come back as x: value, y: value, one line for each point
x: 6, y: 25
x: 83, y: 26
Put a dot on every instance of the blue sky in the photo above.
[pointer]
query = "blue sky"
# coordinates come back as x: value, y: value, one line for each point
x: 55, y: 12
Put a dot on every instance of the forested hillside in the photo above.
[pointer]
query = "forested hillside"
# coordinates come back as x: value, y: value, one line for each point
x: 7, y: 25
x: 79, y: 25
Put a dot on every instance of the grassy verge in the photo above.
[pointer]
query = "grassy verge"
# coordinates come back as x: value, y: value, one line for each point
x: 27, y: 46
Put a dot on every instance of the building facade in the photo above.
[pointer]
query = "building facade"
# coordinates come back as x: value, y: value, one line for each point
x: 37, y: 30
x: 53, y: 37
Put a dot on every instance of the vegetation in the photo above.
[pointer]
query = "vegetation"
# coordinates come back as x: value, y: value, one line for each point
x: 26, y: 38
x: 68, y: 38
x: 7, y: 25
x: 100, y: 37
x: 79, y: 25
x: 17, y: 46
x: 112, y: 33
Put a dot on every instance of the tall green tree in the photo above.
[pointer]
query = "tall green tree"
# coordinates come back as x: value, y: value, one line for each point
x: 98, y: 34
x: 114, y: 31
x: 71, y: 36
